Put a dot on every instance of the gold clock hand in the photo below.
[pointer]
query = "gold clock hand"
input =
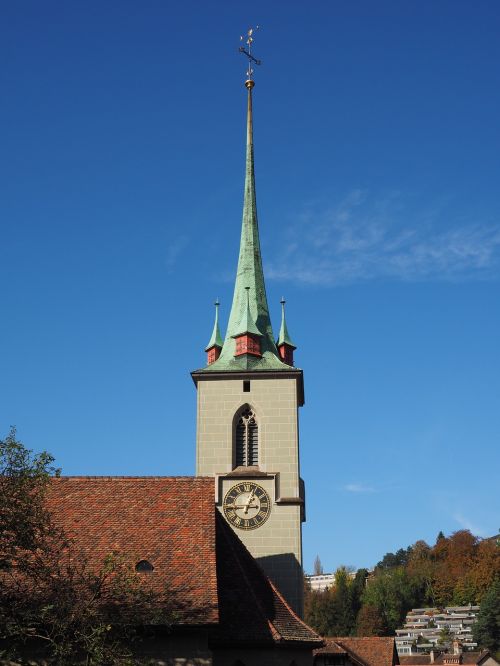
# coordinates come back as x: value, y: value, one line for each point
x: 249, y: 500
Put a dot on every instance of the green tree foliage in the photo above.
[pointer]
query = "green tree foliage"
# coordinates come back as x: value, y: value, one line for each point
x: 397, y: 559
x: 334, y: 612
x: 356, y: 590
x: 23, y: 480
x: 444, y: 636
x: 486, y: 630
x: 392, y: 593
x: 51, y: 603
x: 342, y: 611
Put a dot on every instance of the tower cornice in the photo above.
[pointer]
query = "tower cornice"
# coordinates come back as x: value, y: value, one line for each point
x: 289, y: 373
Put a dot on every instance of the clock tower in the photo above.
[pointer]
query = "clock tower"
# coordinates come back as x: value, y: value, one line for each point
x: 248, y: 397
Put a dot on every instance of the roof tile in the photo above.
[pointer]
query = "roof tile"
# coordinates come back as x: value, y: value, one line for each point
x: 366, y: 651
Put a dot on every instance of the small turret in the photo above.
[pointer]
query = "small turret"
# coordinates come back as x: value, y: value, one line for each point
x: 215, y: 343
x: 247, y: 336
x: 284, y: 344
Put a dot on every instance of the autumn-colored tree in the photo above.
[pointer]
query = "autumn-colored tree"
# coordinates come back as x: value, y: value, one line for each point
x: 370, y: 622
x: 485, y: 569
x: 459, y: 569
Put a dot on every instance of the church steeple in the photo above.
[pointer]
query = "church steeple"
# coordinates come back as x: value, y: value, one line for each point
x: 249, y: 276
x: 247, y: 431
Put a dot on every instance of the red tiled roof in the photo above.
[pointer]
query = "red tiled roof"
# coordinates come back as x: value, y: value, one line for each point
x: 251, y: 609
x: 173, y: 523
x: 167, y: 521
x: 467, y: 657
x: 369, y: 651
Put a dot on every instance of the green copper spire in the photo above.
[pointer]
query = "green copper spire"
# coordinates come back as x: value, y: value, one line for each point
x: 284, y: 337
x: 251, y: 309
x: 216, y: 339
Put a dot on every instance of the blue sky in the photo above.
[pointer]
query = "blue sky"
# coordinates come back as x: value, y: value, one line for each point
x: 377, y: 165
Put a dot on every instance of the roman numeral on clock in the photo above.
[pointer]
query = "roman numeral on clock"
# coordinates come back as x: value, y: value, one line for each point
x: 246, y: 505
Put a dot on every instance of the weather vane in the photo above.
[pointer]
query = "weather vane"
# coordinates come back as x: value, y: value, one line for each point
x: 248, y: 51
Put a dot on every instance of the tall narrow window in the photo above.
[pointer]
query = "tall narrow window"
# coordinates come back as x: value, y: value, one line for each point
x: 247, y: 439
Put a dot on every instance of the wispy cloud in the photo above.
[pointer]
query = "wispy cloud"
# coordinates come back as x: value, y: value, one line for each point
x: 174, y: 250
x: 466, y: 524
x: 363, y: 238
x: 358, y: 488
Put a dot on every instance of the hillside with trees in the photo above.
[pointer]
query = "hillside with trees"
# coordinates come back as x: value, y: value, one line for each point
x: 457, y: 570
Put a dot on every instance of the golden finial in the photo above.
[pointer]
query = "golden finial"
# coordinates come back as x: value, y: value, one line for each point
x: 249, y: 83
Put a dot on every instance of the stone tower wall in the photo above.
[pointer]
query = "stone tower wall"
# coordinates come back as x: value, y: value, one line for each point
x: 277, y: 544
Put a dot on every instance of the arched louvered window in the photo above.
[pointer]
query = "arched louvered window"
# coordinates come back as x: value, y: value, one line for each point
x: 247, y: 438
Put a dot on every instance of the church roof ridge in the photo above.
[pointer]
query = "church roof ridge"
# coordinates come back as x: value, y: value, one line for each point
x: 116, y: 477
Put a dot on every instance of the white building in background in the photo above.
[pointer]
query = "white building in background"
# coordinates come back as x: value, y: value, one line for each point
x: 321, y: 582
x: 423, y: 626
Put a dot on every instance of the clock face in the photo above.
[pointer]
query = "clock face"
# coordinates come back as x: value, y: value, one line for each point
x: 246, y: 505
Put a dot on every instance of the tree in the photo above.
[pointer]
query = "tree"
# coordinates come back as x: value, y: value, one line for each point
x: 356, y: 589
x: 317, y: 567
x: 331, y: 612
x: 420, y: 569
x: 23, y: 480
x: 392, y: 593
x: 397, y: 559
x: 444, y: 636
x: 318, y: 612
x: 50, y: 602
x: 370, y: 622
x: 485, y: 569
x: 486, y: 630
x: 343, y: 616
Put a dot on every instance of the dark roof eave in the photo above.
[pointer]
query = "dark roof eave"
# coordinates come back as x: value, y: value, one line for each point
x: 280, y: 643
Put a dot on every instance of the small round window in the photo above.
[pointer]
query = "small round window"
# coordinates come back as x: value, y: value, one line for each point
x: 144, y: 567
